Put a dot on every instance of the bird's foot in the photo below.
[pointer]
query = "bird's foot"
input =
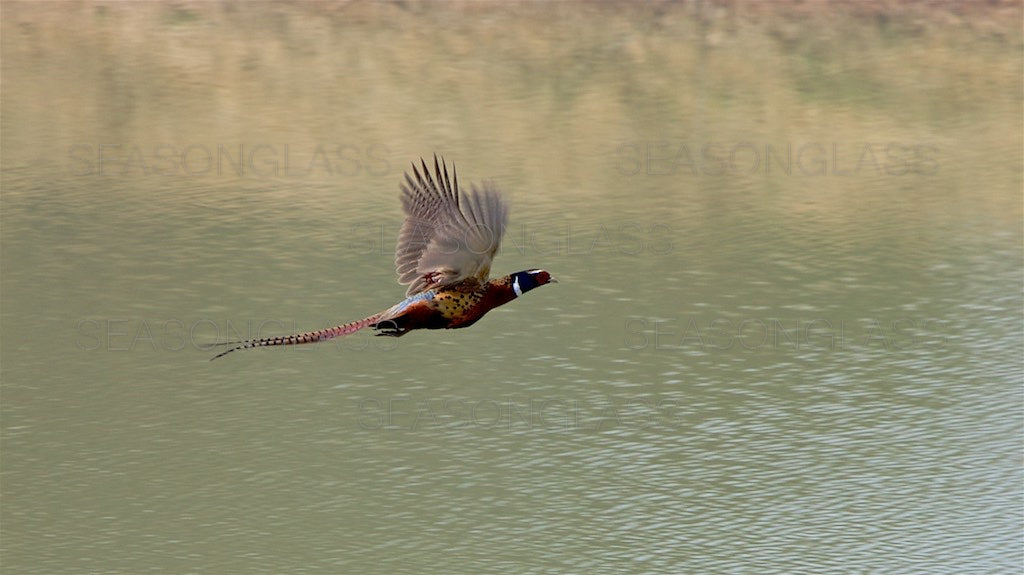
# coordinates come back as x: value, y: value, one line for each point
x: 388, y: 328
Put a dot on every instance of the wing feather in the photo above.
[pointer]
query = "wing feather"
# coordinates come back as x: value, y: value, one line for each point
x: 447, y: 236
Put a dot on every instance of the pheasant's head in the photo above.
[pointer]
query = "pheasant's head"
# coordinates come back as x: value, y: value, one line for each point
x: 525, y: 281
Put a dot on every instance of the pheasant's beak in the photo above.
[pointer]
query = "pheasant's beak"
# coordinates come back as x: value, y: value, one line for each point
x: 552, y: 281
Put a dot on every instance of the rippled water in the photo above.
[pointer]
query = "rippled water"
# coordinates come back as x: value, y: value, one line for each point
x: 767, y: 372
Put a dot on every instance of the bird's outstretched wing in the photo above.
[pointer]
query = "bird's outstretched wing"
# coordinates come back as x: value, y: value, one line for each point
x: 446, y: 237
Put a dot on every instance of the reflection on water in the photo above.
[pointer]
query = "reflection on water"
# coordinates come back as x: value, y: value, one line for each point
x: 786, y: 339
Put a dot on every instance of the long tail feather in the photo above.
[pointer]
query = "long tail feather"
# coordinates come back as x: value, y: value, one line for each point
x: 300, y: 338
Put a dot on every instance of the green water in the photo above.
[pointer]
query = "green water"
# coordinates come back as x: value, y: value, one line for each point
x: 786, y: 336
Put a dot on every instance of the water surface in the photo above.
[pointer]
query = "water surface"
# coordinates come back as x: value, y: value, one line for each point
x: 786, y: 338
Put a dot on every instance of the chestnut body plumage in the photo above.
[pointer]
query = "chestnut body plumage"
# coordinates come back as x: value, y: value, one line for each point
x: 444, y: 255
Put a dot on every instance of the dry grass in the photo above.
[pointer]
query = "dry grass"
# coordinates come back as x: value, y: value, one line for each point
x: 564, y: 84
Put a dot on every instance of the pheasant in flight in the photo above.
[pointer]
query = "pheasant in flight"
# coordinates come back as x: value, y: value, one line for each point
x: 444, y: 254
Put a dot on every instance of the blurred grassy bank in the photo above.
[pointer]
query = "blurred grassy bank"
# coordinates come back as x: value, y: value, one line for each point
x: 553, y: 93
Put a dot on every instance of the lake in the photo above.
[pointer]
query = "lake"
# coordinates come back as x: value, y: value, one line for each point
x: 786, y: 338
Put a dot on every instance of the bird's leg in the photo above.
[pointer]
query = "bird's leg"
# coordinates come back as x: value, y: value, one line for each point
x: 389, y: 328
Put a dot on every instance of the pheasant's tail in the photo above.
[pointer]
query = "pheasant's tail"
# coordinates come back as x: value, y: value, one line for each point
x: 299, y: 338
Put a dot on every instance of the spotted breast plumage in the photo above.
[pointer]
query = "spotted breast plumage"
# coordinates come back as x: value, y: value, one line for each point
x: 444, y: 253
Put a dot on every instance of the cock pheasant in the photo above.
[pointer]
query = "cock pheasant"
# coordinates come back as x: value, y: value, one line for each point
x: 444, y: 254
